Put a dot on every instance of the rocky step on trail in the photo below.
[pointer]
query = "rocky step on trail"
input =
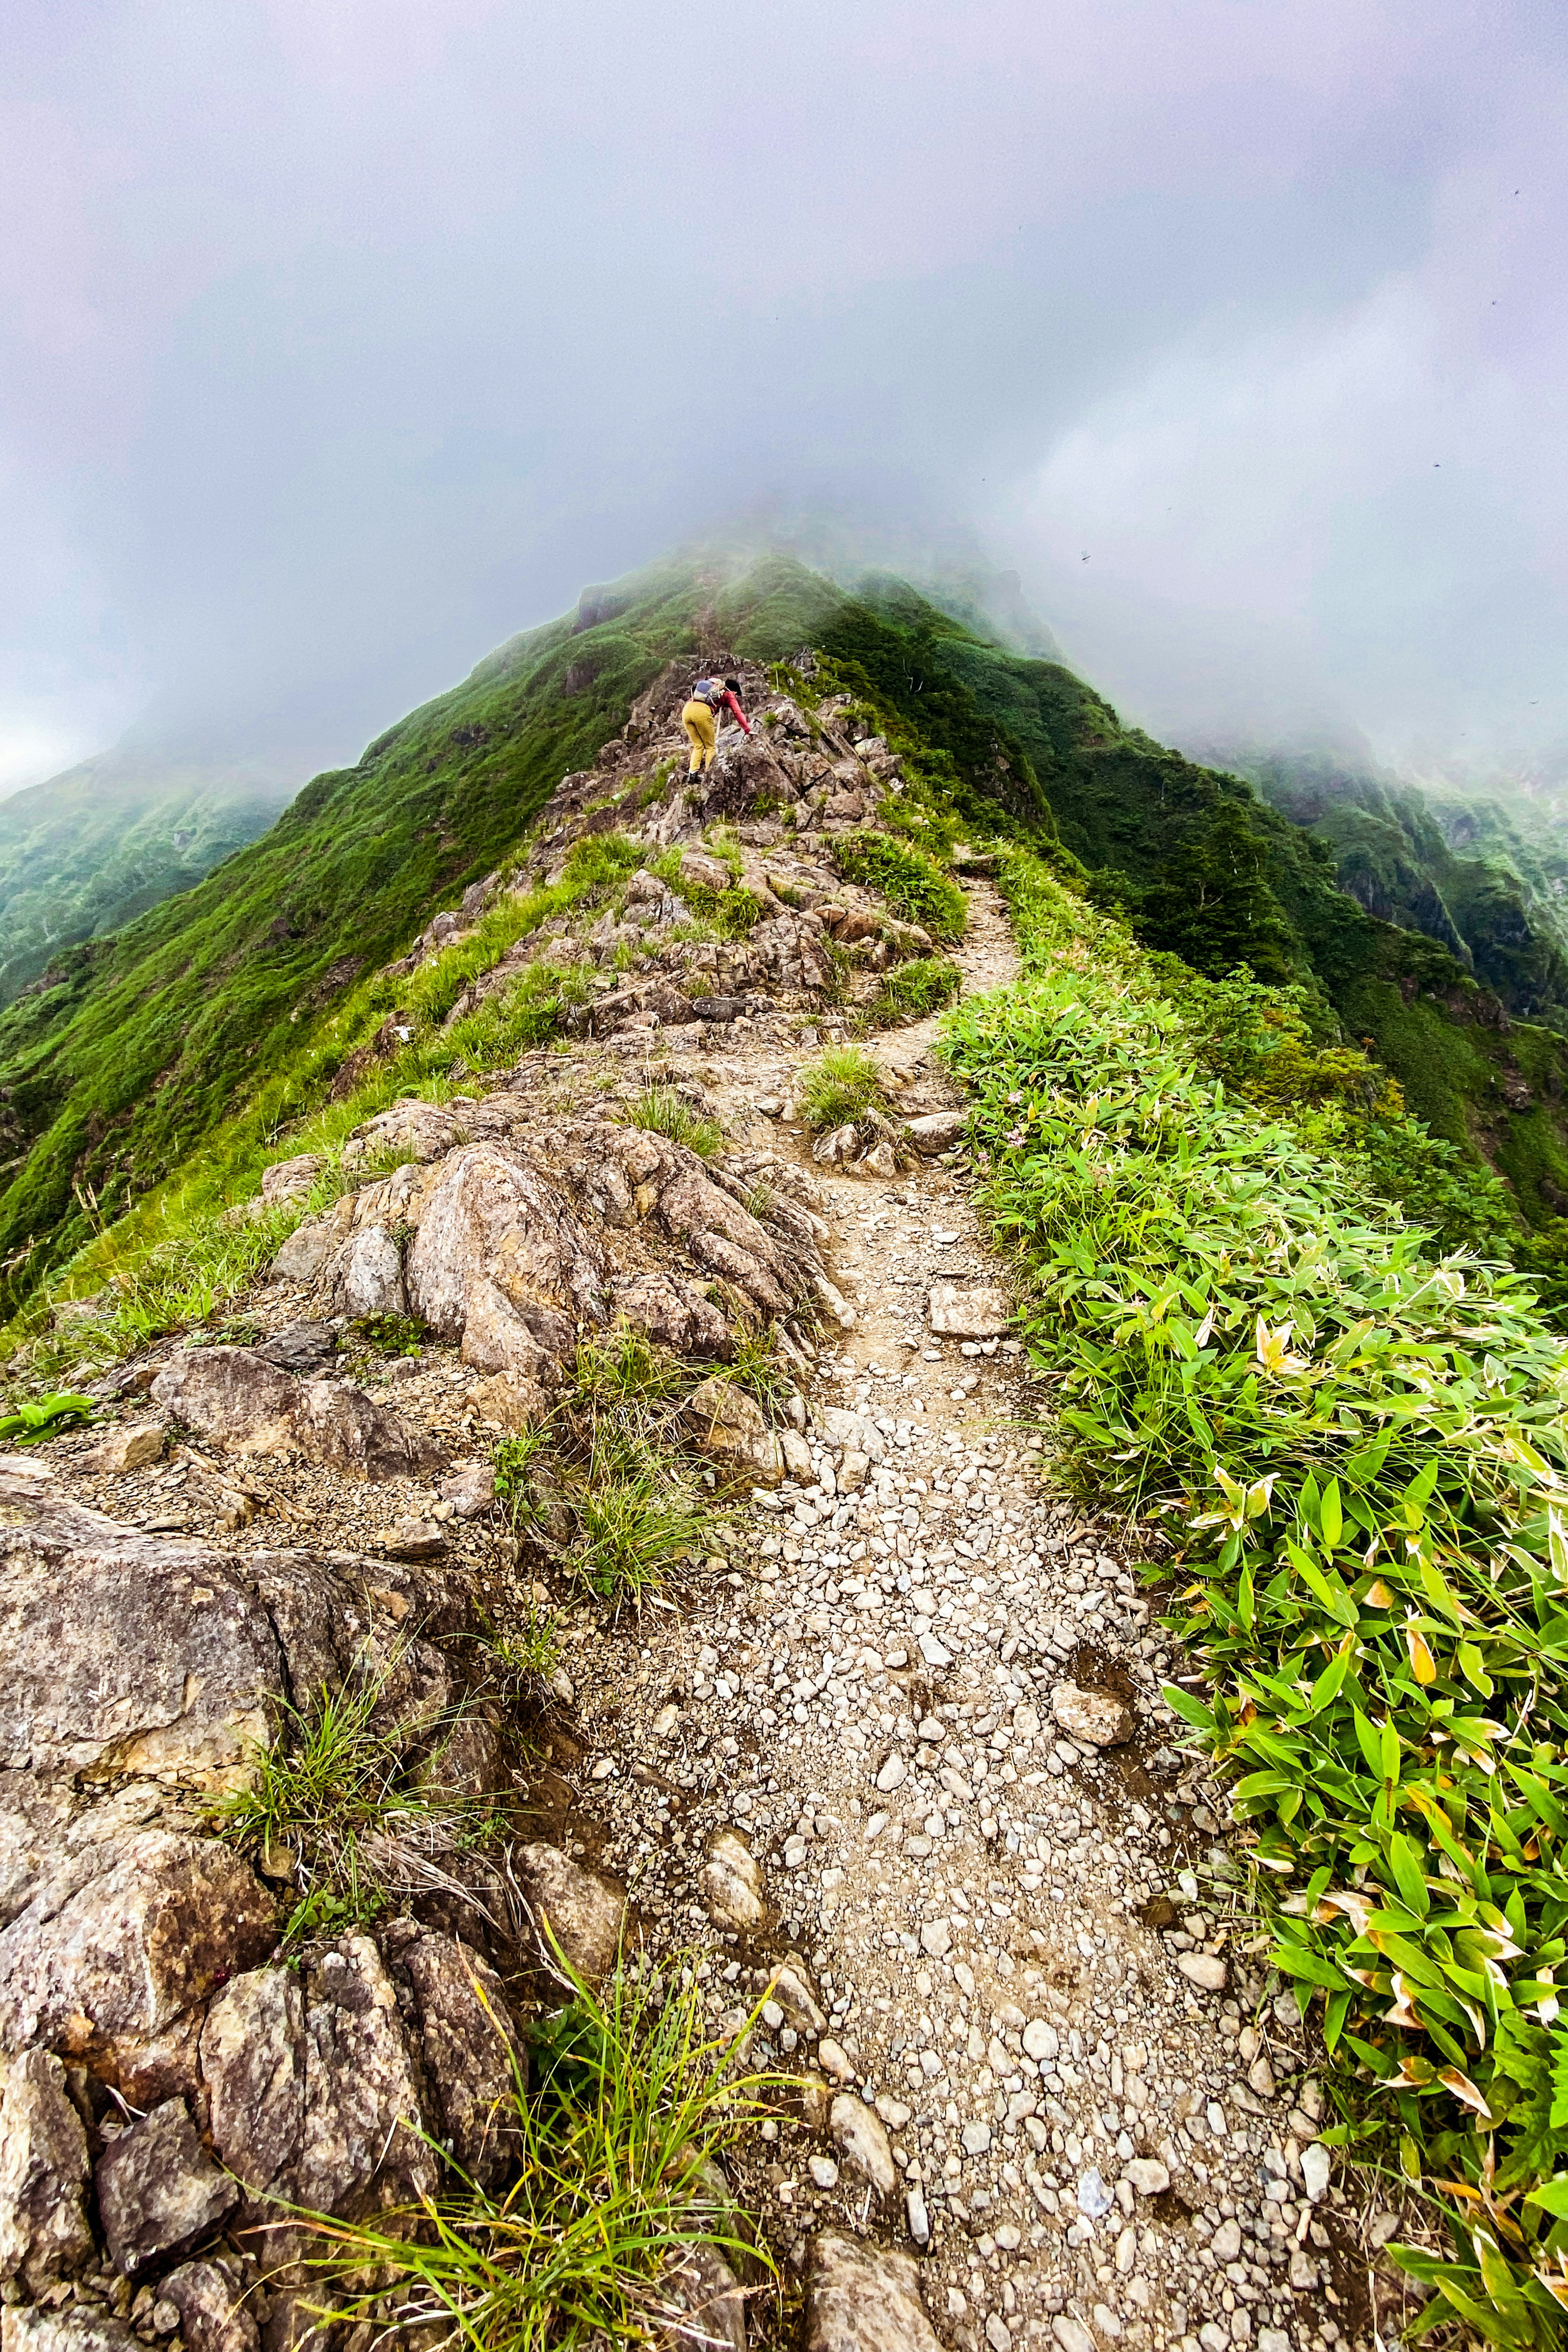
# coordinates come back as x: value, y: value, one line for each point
x: 891, y: 1767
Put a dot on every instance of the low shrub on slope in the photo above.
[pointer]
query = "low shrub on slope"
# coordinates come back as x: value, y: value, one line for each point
x: 1358, y: 1453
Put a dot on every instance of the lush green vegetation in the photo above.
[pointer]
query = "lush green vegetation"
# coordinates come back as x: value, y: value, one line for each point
x: 87, y: 853
x: 912, y: 990
x: 44, y: 1417
x: 238, y: 993
x: 1355, y: 1451
x: 661, y: 1109
x: 1021, y: 747
x: 915, y: 887
x: 616, y: 2141
x: 149, y: 1087
x: 1464, y: 873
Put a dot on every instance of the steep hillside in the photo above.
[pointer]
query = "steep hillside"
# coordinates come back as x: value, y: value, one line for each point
x: 633, y: 1532
x: 1206, y: 872
x: 1462, y: 873
x: 233, y: 1000
x: 85, y: 854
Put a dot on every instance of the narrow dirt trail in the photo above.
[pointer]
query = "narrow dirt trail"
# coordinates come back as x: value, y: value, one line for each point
x: 859, y: 1755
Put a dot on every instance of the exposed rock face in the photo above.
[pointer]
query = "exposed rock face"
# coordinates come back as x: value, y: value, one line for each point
x: 673, y: 1313
x: 210, y: 2297
x: 122, y: 1652
x: 123, y: 1939
x: 244, y: 1404
x: 232, y: 1396
x: 253, y: 2066
x: 502, y: 1265
x: 43, y: 2175
x: 157, y: 2193
x: 864, y: 2298
x: 576, y: 1908
x: 474, y: 2062
x: 361, y: 2148
x: 372, y: 1276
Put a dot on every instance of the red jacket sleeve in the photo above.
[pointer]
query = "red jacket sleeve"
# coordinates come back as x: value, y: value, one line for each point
x: 737, y: 709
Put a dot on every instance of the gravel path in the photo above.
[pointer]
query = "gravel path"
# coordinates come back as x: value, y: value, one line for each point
x: 1015, y: 1956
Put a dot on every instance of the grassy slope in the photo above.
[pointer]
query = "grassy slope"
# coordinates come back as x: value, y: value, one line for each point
x: 211, y: 1000
x: 87, y: 852
x: 1475, y: 886
x: 1119, y: 802
x: 209, y: 1003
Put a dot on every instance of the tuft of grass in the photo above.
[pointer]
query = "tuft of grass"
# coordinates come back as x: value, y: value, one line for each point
x: 913, y: 885
x: 526, y: 1654
x: 635, y: 1522
x: 513, y: 1462
x: 339, y: 1798
x: 841, y: 1085
x: 633, y: 2102
x: 757, y: 1367
x: 912, y: 990
x: 661, y: 1109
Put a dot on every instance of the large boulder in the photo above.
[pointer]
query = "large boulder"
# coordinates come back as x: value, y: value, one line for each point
x: 502, y: 1268
x: 239, y: 1402
x: 122, y: 1652
x: 124, y: 1937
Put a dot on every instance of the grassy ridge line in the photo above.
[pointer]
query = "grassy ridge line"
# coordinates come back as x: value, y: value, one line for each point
x: 1358, y: 1453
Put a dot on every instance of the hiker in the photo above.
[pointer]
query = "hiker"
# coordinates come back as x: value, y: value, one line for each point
x: 709, y: 695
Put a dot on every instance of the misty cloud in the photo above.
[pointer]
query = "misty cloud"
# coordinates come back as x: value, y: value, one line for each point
x: 338, y: 344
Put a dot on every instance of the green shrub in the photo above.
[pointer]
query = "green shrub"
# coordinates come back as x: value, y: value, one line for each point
x: 841, y: 1085
x: 30, y: 1424
x: 915, y: 888
x: 1358, y: 1455
x: 912, y: 990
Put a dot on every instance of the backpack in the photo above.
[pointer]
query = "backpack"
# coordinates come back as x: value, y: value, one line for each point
x: 710, y: 690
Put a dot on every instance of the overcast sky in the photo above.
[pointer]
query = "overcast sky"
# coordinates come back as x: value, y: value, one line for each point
x: 341, y: 338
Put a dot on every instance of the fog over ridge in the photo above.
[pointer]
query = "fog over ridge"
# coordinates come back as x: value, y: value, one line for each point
x: 337, y: 346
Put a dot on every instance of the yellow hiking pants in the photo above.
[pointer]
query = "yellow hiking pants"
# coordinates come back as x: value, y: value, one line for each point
x: 699, y: 722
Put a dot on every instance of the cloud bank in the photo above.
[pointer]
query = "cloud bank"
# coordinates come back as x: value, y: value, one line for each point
x: 336, y: 344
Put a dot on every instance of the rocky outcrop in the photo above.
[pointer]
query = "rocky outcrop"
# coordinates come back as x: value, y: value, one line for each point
x: 158, y: 2193
x: 246, y: 1405
x: 43, y: 2175
x: 502, y: 1268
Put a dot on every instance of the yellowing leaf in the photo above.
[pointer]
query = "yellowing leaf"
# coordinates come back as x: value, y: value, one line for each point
x: 1378, y: 1595
x: 1423, y: 1664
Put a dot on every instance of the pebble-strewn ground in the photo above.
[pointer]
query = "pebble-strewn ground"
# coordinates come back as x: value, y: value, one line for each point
x: 859, y: 1748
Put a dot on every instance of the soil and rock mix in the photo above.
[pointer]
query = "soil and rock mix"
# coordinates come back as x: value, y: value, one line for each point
x: 883, y: 1755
